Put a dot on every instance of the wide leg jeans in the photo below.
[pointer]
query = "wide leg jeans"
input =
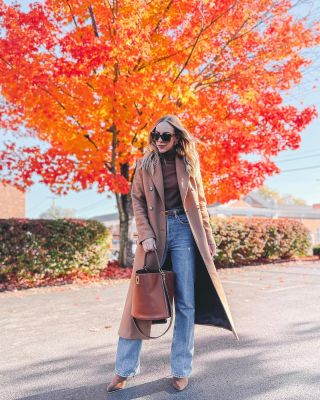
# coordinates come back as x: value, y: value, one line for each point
x: 181, y: 245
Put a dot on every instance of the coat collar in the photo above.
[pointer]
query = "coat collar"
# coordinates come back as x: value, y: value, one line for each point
x: 182, y: 178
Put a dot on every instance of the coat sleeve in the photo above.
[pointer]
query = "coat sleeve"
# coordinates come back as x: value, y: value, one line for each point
x: 139, y: 206
x: 204, y: 210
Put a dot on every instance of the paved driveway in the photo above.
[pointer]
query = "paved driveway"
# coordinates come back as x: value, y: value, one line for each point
x: 59, y: 343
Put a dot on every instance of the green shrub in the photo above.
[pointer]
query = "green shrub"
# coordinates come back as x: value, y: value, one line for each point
x: 316, y: 251
x: 243, y: 240
x: 32, y: 249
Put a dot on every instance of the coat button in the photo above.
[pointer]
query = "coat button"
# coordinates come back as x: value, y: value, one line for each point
x: 150, y: 208
x: 150, y: 188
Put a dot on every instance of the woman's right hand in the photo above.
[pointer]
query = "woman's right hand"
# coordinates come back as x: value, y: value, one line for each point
x: 149, y: 244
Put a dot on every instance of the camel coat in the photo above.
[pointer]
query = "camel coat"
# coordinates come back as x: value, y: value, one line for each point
x: 148, y: 205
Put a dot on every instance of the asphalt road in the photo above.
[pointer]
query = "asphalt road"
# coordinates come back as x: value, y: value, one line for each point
x: 59, y: 343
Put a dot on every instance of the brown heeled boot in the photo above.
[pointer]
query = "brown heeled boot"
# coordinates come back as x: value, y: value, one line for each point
x: 179, y: 383
x: 118, y: 382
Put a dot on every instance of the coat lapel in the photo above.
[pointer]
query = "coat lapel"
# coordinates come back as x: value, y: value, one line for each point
x: 182, y: 178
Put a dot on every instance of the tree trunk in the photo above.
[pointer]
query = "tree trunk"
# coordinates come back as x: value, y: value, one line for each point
x: 124, y: 204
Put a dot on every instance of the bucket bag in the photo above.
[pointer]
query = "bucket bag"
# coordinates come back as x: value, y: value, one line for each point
x: 152, y: 296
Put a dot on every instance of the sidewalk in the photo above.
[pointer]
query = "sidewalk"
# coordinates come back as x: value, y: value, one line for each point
x: 58, y: 343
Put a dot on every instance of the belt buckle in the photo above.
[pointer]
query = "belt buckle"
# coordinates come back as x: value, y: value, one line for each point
x: 174, y: 211
x: 168, y: 212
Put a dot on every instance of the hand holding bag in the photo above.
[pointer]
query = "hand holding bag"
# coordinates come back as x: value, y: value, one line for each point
x: 152, y: 296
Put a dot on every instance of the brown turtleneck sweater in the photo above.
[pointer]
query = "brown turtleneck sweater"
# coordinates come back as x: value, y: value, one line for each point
x: 170, y: 182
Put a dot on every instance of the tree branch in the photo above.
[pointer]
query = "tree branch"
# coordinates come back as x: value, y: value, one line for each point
x: 114, y: 132
x: 73, y: 17
x: 93, y: 21
x: 203, y: 28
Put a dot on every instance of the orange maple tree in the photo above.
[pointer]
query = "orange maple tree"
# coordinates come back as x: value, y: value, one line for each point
x: 89, y: 78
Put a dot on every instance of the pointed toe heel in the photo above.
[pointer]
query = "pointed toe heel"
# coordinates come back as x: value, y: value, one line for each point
x: 117, y: 383
x: 179, y: 383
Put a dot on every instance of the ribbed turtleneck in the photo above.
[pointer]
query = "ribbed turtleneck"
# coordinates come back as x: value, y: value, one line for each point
x: 170, y: 183
x: 168, y: 155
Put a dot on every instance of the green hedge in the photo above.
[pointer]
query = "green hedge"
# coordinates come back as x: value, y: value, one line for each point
x: 316, y: 251
x: 37, y: 248
x: 243, y: 240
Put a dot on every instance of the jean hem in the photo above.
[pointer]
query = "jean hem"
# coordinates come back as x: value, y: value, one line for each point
x: 180, y: 376
x: 132, y: 374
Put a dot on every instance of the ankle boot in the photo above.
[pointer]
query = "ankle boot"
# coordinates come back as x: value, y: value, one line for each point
x: 118, y: 382
x: 179, y: 383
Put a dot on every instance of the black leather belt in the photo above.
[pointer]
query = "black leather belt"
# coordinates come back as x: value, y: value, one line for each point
x: 174, y: 211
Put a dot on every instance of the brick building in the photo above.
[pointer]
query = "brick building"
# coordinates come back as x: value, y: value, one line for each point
x: 13, y: 202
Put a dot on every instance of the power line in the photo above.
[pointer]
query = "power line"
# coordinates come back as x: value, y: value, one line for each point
x: 39, y: 204
x: 92, y: 205
x: 301, y: 153
x: 300, y: 169
x: 298, y: 158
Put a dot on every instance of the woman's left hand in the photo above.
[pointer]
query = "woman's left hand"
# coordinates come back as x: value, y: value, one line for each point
x: 213, y: 250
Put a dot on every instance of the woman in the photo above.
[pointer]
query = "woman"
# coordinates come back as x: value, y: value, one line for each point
x: 171, y: 217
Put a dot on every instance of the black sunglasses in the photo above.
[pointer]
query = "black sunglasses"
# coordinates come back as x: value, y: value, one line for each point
x: 165, y: 137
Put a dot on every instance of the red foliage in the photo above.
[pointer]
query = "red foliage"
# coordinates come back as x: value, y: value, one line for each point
x: 111, y: 271
x: 88, y: 79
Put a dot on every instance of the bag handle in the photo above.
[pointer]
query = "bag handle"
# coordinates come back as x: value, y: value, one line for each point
x: 145, y: 256
x: 164, y: 286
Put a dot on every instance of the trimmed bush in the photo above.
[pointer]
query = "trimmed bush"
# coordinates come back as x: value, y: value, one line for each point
x: 316, y: 251
x: 36, y: 249
x: 243, y: 240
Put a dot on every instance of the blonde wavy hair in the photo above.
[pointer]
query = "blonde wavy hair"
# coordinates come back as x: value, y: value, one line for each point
x: 186, y: 147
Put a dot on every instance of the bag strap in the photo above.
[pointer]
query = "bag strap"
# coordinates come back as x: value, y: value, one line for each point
x: 165, y: 289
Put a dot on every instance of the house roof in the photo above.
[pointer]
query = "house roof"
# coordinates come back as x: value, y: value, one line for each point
x: 253, y: 204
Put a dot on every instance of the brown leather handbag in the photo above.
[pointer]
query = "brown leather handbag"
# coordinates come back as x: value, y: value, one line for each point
x: 152, y: 296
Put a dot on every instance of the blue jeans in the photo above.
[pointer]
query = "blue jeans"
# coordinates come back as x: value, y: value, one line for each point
x: 182, y: 247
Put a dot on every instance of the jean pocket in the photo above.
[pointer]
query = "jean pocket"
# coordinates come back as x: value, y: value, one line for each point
x: 183, y: 219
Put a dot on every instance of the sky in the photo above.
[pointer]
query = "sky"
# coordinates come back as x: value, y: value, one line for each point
x: 300, y: 169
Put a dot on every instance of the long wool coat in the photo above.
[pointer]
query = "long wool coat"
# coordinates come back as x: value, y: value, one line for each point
x: 148, y: 205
